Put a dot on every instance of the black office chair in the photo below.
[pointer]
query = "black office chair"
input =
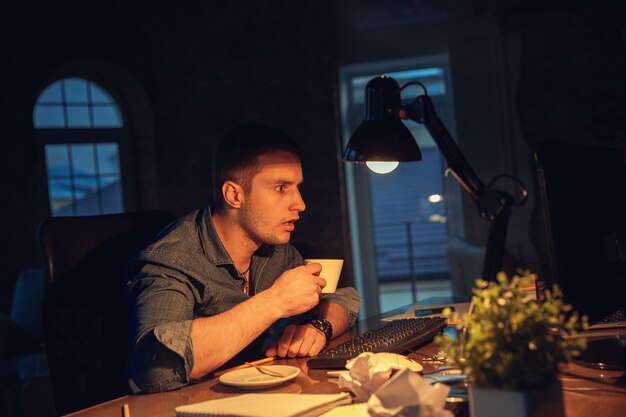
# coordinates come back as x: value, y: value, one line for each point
x: 85, y: 306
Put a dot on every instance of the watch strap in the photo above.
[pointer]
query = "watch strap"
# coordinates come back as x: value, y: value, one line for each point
x: 320, y: 323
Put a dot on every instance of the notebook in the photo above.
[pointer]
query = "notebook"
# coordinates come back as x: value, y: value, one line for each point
x: 266, y: 405
x: 353, y: 410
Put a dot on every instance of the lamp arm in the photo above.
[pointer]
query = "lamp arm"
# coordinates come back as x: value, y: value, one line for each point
x: 422, y: 111
x: 493, y: 205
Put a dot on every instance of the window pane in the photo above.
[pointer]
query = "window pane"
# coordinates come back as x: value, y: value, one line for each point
x: 75, y: 90
x: 60, y: 194
x: 57, y: 160
x: 48, y: 116
x: 85, y: 186
x: 108, y: 158
x: 83, y: 159
x: 107, y: 116
x: 111, y: 195
x: 99, y: 96
x: 88, y: 206
x: 52, y: 94
x: 78, y: 116
x: 409, y: 229
x: 421, y: 135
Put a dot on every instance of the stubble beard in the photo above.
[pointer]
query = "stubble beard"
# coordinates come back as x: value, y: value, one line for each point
x: 252, y: 221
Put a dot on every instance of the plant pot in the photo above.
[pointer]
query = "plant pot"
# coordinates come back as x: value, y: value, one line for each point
x: 490, y: 402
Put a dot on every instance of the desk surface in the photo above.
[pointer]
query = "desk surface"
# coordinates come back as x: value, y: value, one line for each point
x: 586, y: 391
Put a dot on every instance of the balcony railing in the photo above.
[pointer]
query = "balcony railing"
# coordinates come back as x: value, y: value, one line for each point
x: 411, y: 251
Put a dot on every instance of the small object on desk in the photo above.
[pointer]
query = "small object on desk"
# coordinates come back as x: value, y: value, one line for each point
x: 429, y: 311
x: 251, y: 378
x: 335, y: 374
x: 266, y: 371
x: 243, y: 366
x: 445, y: 378
x: 125, y: 410
x: 437, y: 358
x: 448, y: 370
x: 459, y: 308
x: 266, y: 405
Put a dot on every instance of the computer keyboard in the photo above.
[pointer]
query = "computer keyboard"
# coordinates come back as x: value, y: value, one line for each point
x: 394, y: 336
x: 615, y: 317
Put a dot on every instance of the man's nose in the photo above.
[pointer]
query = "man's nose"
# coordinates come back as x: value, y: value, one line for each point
x: 298, y: 203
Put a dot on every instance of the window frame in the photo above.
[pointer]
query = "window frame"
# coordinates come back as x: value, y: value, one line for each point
x: 358, y: 191
x: 83, y: 135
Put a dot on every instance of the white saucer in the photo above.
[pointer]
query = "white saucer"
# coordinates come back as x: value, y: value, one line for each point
x: 251, y: 378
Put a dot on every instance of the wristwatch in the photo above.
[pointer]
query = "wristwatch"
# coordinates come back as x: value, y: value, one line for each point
x: 320, y: 323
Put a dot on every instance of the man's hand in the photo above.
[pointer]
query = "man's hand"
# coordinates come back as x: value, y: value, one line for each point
x: 298, y: 340
x: 297, y: 290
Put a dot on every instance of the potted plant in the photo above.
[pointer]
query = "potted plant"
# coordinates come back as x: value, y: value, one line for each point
x: 510, y: 346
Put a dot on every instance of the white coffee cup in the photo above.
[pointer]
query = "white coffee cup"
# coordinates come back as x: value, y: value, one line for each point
x: 331, y: 270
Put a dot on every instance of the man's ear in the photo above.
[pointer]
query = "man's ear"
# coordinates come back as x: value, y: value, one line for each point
x: 232, y: 193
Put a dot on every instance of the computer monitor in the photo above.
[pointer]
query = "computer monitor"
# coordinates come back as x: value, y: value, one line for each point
x: 583, y: 201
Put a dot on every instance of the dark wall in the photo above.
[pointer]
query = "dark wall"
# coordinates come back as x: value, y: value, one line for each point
x: 573, y: 64
x: 183, y: 74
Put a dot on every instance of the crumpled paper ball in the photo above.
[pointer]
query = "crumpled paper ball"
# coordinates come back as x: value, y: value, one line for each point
x: 407, y: 394
x: 367, y: 372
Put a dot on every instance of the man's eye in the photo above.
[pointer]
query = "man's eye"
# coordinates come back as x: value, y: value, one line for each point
x: 280, y: 188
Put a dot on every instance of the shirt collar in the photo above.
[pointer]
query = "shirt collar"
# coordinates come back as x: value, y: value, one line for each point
x: 211, y: 242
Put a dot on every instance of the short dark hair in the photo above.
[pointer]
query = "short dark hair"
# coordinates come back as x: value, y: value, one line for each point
x: 235, y: 157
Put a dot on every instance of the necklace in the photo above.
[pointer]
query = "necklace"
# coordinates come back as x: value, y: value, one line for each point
x: 243, y: 273
x: 246, y: 281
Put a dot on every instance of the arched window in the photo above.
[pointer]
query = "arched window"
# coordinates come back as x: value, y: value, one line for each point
x: 81, y: 128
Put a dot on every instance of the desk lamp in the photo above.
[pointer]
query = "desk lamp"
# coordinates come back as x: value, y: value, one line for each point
x: 382, y: 139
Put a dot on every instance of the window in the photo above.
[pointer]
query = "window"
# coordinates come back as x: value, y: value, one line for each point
x: 399, y: 220
x: 82, y: 132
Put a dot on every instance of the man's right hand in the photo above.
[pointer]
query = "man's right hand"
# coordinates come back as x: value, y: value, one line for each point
x: 298, y: 290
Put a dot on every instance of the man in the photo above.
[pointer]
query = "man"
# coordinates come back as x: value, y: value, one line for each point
x: 224, y: 281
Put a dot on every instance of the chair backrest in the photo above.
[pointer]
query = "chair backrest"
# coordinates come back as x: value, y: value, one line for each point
x: 85, y: 304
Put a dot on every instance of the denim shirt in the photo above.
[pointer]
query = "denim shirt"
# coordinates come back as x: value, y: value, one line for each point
x: 186, y: 274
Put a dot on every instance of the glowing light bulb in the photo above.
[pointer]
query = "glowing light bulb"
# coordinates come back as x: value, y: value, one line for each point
x: 382, y: 167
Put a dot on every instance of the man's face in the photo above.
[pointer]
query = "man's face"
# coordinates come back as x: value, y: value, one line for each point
x: 273, y: 202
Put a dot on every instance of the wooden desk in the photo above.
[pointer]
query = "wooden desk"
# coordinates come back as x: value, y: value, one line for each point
x: 586, y: 392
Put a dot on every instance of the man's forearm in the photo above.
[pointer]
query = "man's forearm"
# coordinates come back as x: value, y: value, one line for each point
x: 336, y: 315
x: 218, y: 338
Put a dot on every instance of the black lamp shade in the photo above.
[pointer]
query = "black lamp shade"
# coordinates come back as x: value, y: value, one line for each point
x: 382, y: 136
x: 382, y: 140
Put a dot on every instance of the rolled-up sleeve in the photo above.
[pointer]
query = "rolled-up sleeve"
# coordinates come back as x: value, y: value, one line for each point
x: 346, y: 297
x: 161, y: 312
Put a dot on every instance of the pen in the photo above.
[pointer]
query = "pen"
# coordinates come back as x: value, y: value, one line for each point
x: 429, y: 311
